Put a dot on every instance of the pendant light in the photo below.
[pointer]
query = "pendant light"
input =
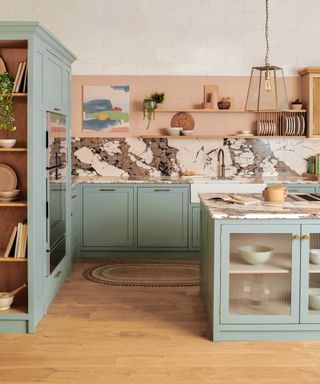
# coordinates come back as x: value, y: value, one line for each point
x: 267, y: 89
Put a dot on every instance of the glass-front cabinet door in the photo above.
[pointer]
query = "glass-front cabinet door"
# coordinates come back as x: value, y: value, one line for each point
x: 260, y: 267
x: 310, y: 274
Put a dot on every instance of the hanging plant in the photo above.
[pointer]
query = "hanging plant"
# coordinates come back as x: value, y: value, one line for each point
x: 158, y: 97
x: 149, y: 106
x: 7, y: 115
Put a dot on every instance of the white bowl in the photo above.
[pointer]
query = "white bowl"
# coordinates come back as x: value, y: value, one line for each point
x: 174, y: 131
x: 314, y: 298
x: 13, y: 193
x: 187, y: 132
x: 5, y: 303
x: 255, y: 254
x: 7, y: 143
x: 315, y: 256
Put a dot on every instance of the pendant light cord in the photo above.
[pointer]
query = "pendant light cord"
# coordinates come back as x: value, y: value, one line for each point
x: 266, y: 60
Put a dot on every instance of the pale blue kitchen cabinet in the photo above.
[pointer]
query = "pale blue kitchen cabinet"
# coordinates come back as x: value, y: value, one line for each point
x: 162, y: 217
x: 194, y: 226
x: 270, y: 300
x: 20, y: 41
x: 302, y: 188
x: 108, y: 217
x: 56, y: 83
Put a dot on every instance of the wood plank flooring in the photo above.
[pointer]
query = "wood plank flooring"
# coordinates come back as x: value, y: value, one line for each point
x: 100, y: 334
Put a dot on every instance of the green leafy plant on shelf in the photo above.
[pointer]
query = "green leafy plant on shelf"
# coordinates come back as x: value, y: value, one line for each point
x: 150, y: 104
x: 7, y: 115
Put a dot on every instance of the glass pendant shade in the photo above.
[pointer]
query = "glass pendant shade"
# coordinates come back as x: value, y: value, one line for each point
x: 267, y: 90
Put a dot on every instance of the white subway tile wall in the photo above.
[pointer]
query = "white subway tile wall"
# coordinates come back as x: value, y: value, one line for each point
x: 194, y: 37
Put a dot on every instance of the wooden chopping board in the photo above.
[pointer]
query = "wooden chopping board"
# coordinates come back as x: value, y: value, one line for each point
x: 183, y: 120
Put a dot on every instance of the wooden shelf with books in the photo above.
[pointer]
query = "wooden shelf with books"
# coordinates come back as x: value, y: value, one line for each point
x: 14, y: 213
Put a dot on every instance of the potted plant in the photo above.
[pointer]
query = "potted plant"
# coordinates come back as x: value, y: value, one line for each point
x: 7, y: 115
x: 158, y: 97
x: 296, y: 104
x: 149, y: 106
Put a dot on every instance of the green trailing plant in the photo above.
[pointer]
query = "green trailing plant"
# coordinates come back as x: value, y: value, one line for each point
x: 149, y: 106
x: 158, y: 97
x: 7, y: 115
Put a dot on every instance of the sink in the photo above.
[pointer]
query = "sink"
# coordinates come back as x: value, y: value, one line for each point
x: 215, y: 180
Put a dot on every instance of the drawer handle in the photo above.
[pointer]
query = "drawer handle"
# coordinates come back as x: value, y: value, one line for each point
x: 57, y: 109
x: 57, y: 274
x: 73, y: 196
x: 296, y: 237
x: 306, y: 236
x: 161, y: 190
x: 107, y: 190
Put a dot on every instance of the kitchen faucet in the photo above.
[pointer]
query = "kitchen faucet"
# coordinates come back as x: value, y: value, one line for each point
x: 221, y: 166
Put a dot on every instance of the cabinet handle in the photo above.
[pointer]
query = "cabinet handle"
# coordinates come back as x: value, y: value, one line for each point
x: 58, y: 273
x: 106, y: 190
x: 73, y: 196
x: 57, y: 109
x: 296, y: 237
x: 306, y: 236
x: 161, y: 190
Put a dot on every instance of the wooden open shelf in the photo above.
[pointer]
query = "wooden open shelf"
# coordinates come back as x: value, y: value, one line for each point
x: 217, y: 137
x: 279, y: 264
x: 13, y: 149
x: 231, y: 110
x: 19, y: 311
x: 16, y: 94
x: 15, y: 203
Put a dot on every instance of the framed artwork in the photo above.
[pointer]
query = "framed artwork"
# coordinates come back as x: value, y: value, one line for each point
x: 105, y: 108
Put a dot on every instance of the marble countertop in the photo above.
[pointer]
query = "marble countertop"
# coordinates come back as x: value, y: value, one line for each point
x: 188, y: 180
x: 290, y: 209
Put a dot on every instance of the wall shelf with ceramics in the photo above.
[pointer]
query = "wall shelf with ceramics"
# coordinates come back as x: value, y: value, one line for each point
x: 218, y: 137
x: 199, y: 110
x: 13, y: 149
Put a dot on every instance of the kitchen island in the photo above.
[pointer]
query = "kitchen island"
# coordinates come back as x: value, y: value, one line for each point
x: 246, y: 298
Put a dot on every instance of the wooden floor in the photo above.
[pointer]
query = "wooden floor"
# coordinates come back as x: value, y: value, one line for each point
x: 100, y: 334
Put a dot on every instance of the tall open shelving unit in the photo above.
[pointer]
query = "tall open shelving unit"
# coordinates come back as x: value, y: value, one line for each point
x: 20, y: 41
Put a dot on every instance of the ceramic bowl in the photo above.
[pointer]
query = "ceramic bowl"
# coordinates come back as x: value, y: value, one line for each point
x: 314, y: 298
x: 7, y: 143
x: 255, y: 254
x: 296, y: 107
x: 187, y: 132
x: 315, y: 256
x: 9, y: 194
x: 174, y: 131
x: 5, y: 303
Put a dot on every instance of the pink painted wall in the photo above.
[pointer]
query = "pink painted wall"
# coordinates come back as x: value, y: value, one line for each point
x: 181, y: 92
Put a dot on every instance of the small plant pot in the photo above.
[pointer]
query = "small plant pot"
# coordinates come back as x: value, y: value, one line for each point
x: 224, y: 104
x: 7, y: 143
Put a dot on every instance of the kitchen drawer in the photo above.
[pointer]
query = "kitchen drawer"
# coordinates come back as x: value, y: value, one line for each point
x: 301, y: 189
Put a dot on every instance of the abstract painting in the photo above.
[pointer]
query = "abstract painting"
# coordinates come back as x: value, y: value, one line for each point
x: 105, y: 108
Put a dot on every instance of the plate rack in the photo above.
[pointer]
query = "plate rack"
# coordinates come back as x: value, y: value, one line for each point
x: 281, y: 123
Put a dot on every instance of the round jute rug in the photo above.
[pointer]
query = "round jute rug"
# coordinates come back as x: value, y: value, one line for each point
x: 145, y: 274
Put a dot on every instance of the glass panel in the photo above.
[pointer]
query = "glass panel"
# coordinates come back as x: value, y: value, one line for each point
x: 314, y: 275
x: 260, y: 274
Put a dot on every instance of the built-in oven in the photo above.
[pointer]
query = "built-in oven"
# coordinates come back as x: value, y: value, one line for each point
x: 56, y: 189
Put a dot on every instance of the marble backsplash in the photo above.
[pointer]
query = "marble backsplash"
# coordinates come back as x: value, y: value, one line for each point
x: 142, y: 157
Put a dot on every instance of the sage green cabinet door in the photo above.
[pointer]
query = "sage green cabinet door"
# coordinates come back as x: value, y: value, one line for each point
x: 75, y: 222
x: 301, y: 188
x: 53, y: 83
x: 107, y: 217
x: 162, y: 217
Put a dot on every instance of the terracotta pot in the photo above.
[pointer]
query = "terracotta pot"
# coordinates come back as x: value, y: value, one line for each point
x: 275, y: 194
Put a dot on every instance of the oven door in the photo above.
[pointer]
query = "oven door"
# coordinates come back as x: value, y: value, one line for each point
x: 56, y: 254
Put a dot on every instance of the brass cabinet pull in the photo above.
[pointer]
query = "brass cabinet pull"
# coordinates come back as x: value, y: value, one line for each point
x: 58, y: 273
x: 106, y: 190
x: 57, y: 109
x: 296, y: 237
x: 161, y: 190
x: 73, y: 196
x: 306, y: 236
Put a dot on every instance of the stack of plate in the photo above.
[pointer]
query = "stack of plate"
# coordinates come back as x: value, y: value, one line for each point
x: 8, y: 183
